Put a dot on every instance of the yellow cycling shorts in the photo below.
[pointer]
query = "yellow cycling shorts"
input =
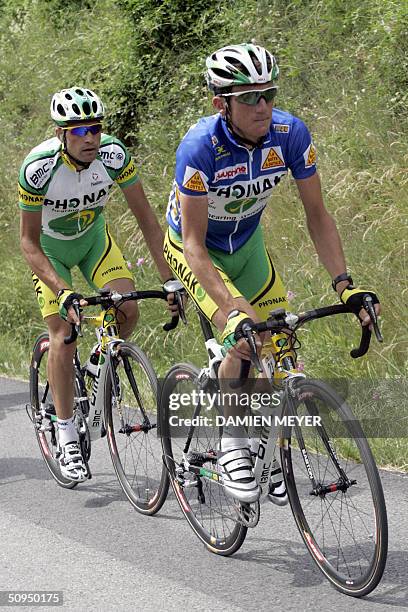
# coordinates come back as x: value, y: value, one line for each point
x: 248, y: 273
x: 95, y: 253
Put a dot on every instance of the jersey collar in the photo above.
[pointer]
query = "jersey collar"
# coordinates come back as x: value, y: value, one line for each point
x: 67, y: 161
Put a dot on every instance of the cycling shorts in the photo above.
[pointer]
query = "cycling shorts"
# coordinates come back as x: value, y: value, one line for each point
x: 95, y: 253
x: 248, y: 272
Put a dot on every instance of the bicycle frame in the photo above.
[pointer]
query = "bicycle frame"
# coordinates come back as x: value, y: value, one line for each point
x: 269, y: 439
x: 107, y: 334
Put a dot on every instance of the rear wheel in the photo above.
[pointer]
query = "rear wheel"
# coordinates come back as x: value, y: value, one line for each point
x: 190, y: 454
x: 43, y: 411
x: 335, y: 490
x: 131, y: 423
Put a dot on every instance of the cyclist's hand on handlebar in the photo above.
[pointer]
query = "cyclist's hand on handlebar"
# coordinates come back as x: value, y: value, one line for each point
x: 232, y: 336
x: 353, y: 298
x: 176, y: 298
x: 66, y: 298
x: 172, y: 305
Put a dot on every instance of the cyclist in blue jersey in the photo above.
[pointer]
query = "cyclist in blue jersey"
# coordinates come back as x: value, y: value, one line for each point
x: 64, y: 185
x: 226, y: 168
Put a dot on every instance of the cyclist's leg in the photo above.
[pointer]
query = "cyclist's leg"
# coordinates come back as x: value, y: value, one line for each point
x: 105, y: 267
x: 260, y: 282
x: 234, y: 456
x: 60, y: 374
x: 60, y: 359
x: 258, y: 279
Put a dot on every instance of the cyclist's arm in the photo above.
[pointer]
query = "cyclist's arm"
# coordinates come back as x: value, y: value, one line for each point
x: 147, y: 221
x: 323, y: 231
x: 194, y: 212
x: 30, y: 228
x: 322, y: 227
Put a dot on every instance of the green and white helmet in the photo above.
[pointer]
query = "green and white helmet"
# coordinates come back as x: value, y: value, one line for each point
x: 75, y: 104
x: 244, y: 64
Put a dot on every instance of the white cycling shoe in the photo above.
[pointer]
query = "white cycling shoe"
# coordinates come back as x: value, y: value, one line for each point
x: 71, y: 462
x: 277, y: 490
x: 237, y: 475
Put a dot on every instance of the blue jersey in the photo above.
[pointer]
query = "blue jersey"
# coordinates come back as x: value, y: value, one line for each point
x: 237, y: 181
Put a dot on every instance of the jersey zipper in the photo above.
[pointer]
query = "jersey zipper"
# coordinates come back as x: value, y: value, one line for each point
x: 79, y: 214
x: 250, y: 160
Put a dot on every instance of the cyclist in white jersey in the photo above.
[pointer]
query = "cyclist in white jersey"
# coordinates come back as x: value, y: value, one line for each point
x: 64, y: 185
x: 226, y: 167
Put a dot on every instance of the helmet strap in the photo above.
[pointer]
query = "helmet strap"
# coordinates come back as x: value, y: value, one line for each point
x: 238, y: 137
x: 84, y: 165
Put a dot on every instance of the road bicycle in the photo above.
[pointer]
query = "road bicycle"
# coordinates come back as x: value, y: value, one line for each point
x: 115, y: 394
x: 332, y: 481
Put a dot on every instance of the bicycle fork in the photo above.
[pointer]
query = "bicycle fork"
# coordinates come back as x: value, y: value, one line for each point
x: 319, y: 489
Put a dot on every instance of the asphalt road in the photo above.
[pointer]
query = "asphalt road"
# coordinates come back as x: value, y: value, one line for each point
x: 89, y: 543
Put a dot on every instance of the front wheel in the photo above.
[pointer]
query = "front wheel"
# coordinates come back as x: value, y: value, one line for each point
x: 334, y: 489
x: 190, y: 438
x: 131, y: 423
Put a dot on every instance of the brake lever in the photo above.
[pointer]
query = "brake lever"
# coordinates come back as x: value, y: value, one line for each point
x: 76, y: 329
x: 247, y: 331
x: 369, y: 307
x: 180, y: 306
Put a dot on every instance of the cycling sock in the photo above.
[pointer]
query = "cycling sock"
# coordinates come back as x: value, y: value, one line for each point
x: 67, y: 431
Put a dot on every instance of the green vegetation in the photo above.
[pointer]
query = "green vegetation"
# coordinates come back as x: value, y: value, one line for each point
x: 344, y: 68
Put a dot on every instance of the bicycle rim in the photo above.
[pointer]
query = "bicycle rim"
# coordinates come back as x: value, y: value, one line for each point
x: 210, y: 512
x: 41, y: 398
x: 341, y: 514
x: 131, y: 423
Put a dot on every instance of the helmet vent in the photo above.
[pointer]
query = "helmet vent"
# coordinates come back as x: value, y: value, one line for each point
x: 255, y: 62
x: 94, y: 106
x: 86, y: 108
x: 90, y: 93
x: 68, y: 96
x: 79, y: 92
x: 237, y: 66
x: 75, y: 108
x: 223, y: 74
x: 61, y: 110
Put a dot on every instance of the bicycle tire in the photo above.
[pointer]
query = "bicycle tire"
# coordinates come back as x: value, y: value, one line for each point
x: 214, y: 526
x: 47, y: 439
x: 356, y: 566
x: 131, y: 428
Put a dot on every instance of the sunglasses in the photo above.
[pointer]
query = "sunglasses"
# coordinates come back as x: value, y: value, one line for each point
x: 82, y: 130
x: 253, y: 96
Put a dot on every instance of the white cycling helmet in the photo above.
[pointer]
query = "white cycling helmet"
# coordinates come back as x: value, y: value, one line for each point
x: 244, y: 64
x: 75, y: 104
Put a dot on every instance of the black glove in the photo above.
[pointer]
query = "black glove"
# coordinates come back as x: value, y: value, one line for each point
x: 65, y: 298
x: 352, y: 297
